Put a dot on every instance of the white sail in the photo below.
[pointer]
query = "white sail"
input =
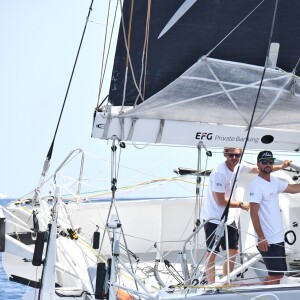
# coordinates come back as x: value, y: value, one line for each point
x: 213, y: 102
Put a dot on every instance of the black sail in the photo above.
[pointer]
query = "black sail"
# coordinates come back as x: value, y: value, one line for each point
x: 200, y: 28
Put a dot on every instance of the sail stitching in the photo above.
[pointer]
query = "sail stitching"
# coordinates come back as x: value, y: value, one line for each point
x: 266, y: 112
x: 239, y: 87
x: 225, y: 91
x: 250, y: 85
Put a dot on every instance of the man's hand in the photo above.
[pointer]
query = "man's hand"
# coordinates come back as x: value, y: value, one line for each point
x: 286, y: 163
x: 263, y: 244
x: 244, y: 206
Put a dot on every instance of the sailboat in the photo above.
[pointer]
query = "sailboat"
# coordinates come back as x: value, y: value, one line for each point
x: 202, y: 74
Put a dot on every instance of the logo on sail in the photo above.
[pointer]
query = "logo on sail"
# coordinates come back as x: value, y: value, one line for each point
x: 204, y: 135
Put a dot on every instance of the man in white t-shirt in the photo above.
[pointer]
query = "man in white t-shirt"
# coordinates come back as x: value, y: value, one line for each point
x: 218, y: 193
x: 266, y: 216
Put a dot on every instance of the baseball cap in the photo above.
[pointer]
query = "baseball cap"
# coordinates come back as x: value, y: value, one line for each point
x: 265, y: 155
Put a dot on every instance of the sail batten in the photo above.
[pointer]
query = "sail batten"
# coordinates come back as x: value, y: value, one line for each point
x: 185, y: 100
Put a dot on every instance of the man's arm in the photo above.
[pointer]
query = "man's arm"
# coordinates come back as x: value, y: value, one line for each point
x: 284, y: 164
x: 222, y: 201
x: 292, y: 188
x: 262, y: 242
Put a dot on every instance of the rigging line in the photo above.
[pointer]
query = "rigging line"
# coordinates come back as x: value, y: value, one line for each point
x: 242, y: 85
x: 113, y: 187
x: 117, y: 168
x: 240, y: 23
x: 129, y: 32
x: 225, y: 213
x: 114, y: 176
x: 104, y: 48
x: 204, y: 175
x: 49, y: 155
x: 237, y: 88
x: 268, y: 109
x: 225, y: 91
x: 144, y: 54
x: 295, y: 69
x: 198, y: 182
x: 146, y: 62
x: 127, y: 49
x: 198, y: 203
x: 129, y: 61
x: 106, y: 60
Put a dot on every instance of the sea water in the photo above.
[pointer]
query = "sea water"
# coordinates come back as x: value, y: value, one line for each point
x: 8, y: 289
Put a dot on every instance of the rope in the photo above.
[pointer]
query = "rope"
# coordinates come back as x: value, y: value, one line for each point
x: 128, y: 59
x: 225, y: 213
x: 49, y: 155
x: 146, y: 62
x: 103, y: 68
x: 102, y: 61
x: 145, y: 54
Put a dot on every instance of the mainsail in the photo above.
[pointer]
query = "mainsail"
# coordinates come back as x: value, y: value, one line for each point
x: 192, y: 70
x: 195, y: 34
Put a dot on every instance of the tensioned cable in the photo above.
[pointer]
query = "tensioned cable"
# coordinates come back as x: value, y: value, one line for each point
x: 49, y: 155
x: 240, y: 23
x: 114, y: 177
x: 128, y: 59
x: 146, y: 60
x: 225, y: 213
x: 129, y: 32
x: 50, y: 151
x: 104, y: 47
x: 144, y: 55
x: 104, y: 65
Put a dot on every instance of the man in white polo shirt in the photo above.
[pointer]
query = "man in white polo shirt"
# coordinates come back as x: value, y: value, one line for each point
x: 266, y: 216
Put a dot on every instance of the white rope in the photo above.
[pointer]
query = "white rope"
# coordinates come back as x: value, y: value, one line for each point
x: 145, y: 53
x: 129, y: 60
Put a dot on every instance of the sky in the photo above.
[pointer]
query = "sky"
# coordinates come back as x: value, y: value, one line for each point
x: 39, y: 43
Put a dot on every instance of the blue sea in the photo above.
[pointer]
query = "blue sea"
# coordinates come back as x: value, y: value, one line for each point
x: 9, y: 290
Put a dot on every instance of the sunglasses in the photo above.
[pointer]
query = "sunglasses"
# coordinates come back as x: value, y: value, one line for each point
x: 232, y: 155
x: 265, y: 162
